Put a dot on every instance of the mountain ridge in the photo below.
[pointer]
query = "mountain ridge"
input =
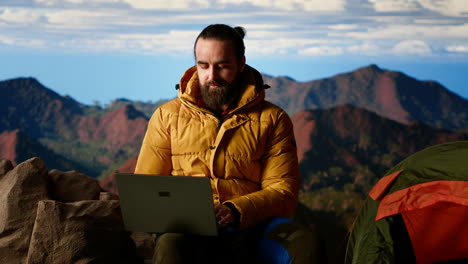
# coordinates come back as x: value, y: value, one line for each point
x: 17, y: 147
x: 388, y: 93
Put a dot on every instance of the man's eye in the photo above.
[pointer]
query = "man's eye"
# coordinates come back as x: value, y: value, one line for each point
x: 223, y: 66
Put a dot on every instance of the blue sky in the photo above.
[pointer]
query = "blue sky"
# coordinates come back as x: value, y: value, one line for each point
x: 100, y: 50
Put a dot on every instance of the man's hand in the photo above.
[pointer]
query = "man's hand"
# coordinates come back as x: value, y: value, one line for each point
x: 224, y: 215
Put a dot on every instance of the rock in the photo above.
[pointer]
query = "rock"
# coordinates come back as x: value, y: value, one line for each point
x: 21, y: 188
x: 145, y: 243
x: 73, y: 186
x: 5, y: 166
x: 108, y: 196
x: 62, y: 217
x: 80, y: 232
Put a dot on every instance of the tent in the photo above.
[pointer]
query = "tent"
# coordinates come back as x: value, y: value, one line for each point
x: 416, y: 213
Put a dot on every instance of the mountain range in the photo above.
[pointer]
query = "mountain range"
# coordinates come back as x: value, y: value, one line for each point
x: 96, y: 138
x: 350, y: 129
x: 390, y: 94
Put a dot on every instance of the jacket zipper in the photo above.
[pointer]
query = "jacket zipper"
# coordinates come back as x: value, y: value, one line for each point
x: 196, y: 107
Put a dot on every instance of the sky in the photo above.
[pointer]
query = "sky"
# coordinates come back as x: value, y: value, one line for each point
x: 99, y: 50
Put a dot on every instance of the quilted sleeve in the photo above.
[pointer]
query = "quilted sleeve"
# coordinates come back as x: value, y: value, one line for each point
x: 280, y: 178
x: 155, y: 153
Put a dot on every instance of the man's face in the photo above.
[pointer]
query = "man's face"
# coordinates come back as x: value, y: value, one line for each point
x: 218, y: 70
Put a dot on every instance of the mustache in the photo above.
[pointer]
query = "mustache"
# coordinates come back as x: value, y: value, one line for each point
x: 218, y: 83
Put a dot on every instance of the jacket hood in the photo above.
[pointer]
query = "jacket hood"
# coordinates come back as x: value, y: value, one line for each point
x: 251, y: 84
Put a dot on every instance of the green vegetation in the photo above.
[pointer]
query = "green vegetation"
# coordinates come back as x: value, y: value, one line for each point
x: 343, y: 203
x: 94, y: 155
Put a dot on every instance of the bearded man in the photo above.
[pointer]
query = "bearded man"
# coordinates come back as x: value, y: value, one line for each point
x: 221, y: 127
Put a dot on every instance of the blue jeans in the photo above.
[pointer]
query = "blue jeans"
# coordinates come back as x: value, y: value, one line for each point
x: 277, y: 241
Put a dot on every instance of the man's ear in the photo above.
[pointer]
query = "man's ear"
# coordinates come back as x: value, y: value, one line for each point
x: 242, y: 64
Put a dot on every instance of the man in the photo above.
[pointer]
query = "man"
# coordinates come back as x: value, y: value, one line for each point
x: 221, y: 127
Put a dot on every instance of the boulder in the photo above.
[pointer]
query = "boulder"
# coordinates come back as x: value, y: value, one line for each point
x: 145, y: 244
x: 5, y: 166
x: 108, y: 196
x: 21, y: 188
x: 72, y: 186
x: 80, y: 232
x: 62, y: 217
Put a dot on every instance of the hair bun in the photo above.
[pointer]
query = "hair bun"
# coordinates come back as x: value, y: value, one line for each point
x: 241, y: 31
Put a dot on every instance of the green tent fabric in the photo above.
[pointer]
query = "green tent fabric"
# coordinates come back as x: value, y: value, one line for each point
x: 418, y: 198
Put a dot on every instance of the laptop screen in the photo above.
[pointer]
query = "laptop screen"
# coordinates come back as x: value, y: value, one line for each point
x: 167, y: 204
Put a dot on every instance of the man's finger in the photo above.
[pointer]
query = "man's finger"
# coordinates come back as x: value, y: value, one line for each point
x: 220, y: 213
x: 224, y: 221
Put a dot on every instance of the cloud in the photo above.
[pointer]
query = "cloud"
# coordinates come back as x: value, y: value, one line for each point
x: 403, y: 31
x: 7, y: 40
x: 274, y: 27
x: 343, y: 27
x: 261, y: 46
x: 75, y: 2
x: 458, y: 48
x: 440, y: 21
x: 321, y: 51
x: 444, y: 7
x: 395, y: 5
x: 366, y: 48
x: 172, y: 43
x: 81, y: 19
x: 330, y: 5
x: 171, y: 4
x: 308, y: 6
x: 20, y: 16
x: 23, y: 42
x: 175, y: 42
x: 412, y: 47
x: 289, y: 5
x: 447, y: 7
x: 264, y: 26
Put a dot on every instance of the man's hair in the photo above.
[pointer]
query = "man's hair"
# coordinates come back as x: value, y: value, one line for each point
x: 225, y: 32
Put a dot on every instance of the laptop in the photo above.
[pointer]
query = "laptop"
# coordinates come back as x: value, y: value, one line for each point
x: 167, y: 204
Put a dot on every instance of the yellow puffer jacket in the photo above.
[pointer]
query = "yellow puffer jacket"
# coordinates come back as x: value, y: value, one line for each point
x: 249, y: 154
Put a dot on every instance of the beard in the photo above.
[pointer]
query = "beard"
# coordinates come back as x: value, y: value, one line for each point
x: 225, y: 94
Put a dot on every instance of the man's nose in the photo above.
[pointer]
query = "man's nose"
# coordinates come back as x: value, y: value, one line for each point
x: 213, y: 73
